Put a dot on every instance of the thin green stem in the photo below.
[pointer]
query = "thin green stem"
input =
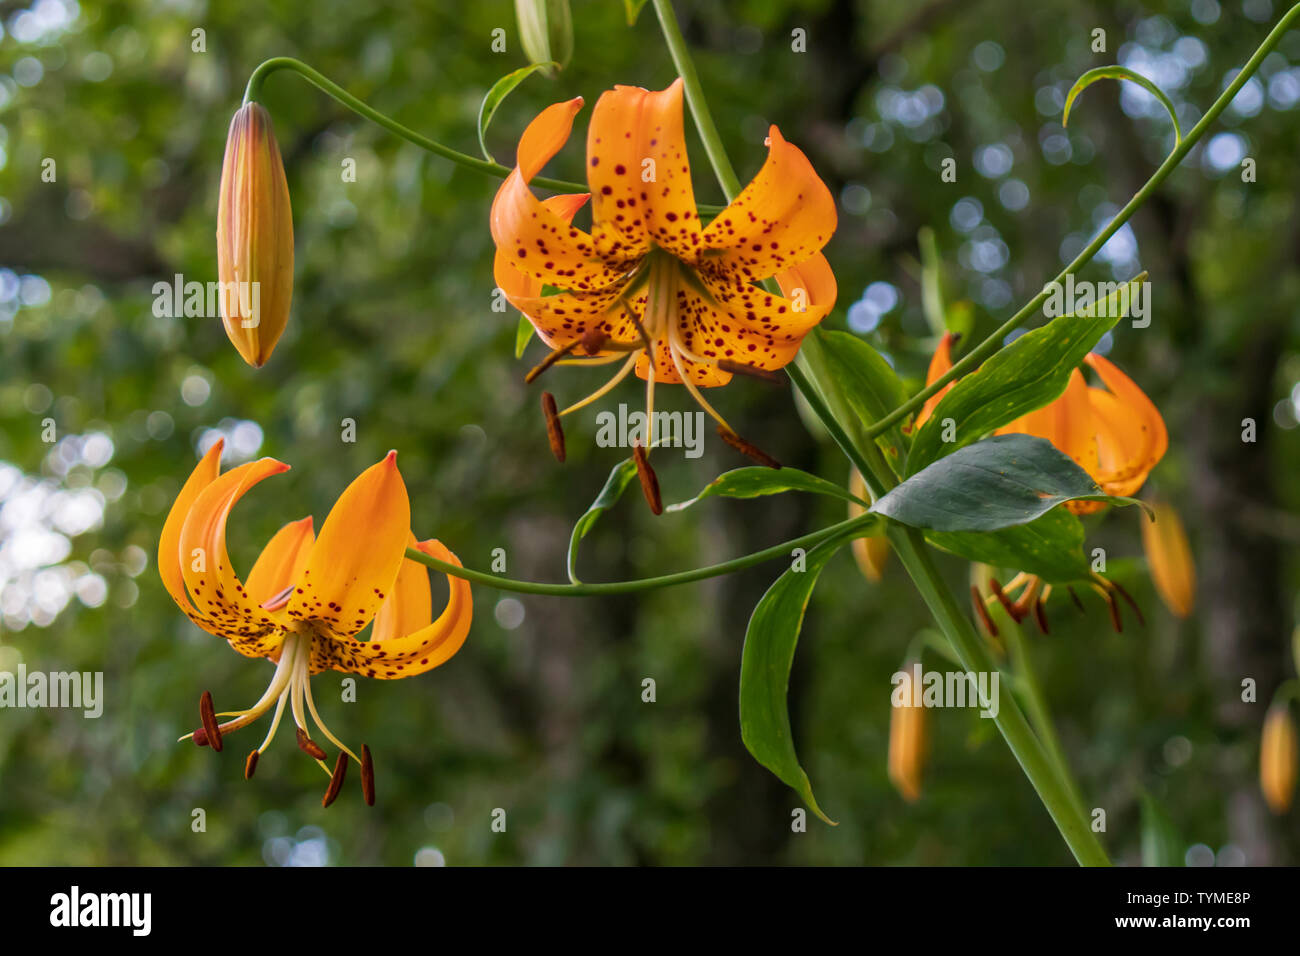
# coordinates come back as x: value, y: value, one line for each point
x: 645, y: 584
x: 253, y: 92
x: 907, y: 542
x: 972, y: 359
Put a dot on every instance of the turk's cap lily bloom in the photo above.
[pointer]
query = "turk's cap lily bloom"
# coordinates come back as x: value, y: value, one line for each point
x: 1116, y: 434
x: 308, y: 596
x: 650, y: 287
x: 254, y: 237
x: 1170, y: 558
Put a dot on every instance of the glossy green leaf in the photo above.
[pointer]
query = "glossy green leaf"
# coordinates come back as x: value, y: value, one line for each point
x: 1028, y: 374
x: 765, y: 663
x: 615, y: 484
x: 1120, y: 73
x: 869, y: 384
x: 499, y: 91
x: 1051, y: 546
x: 757, y: 480
x: 523, y: 335
x: 996, y: 483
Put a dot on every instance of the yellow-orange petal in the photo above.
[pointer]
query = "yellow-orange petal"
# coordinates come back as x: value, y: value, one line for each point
x: 940, y: 363
x: 782, y: 218
x: 1170, y: 558
x: 640, y: 174
x: 1144, y: 419
x: 1067, y: 423
x: 410, y: 605
x: 872, y: 552
x: 281, y: 562
x: 567, y: 316
x: 516, y: 284
x: 211, y: 580
x: 1278, y: 759
x: 254, y: 237
x: 394, y: 651
x: 908, y: 743
x: 1124, y: 452
x: 169, y: 553
x: 354, y: 561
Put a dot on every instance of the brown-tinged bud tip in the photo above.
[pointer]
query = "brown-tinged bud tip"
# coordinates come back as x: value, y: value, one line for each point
x: 336, y: 780
x: 254, y: 237
x: 748, y: 449
x: 309, y: 746
x: 649, y: 480
x: 367, y: 776
x: 250, y: 765
x: 554, y: 431
x: 983, y: 612
x: 208, y: 715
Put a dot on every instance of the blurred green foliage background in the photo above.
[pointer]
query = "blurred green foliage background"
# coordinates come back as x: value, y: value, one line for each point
x: 541, y: 713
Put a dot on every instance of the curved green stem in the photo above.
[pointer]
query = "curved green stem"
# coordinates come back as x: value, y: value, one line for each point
x: 253, y: 92
x: 907, y: 542
x: 975, y: 356
x: 644, y: 584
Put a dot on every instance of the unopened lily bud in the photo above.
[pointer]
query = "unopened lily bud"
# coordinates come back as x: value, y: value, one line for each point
x: 908, y: 736
x: 1170, y: 559
x: 1277, y: 759
x: 254, y: 237
x: 872, y: 552
x: 545, y: 30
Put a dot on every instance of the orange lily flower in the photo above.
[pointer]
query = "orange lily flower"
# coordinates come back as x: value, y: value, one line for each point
x: 1116, y: 434
x: 651, y: 287
x: 307, y: 597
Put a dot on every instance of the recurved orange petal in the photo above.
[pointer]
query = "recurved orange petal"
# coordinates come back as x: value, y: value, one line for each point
x: 516, y: 284
x: 404, y: 641
x: 640, y: 175
x: 782, y: 218
x: 536, y: 238
x: 1067, y: 423
x: 169, y: 553
x: 354, y: 561
x: 281, y: 562
x: 1143, y: 425
x: 1170, y: 559
x: 212, y: 583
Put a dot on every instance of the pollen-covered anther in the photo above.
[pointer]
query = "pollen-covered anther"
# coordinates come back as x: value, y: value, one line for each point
x: 336, y: 780
x: 250, y: 764
x: 554, y: 430
x: 649, y: 480
x: 207, y: 714
x: 309, y: 746
x: 753, y: 371
x: 593, y: 340
x: 747, y: 448
x: 367, y: 776
x: 550, y: 360
x: 978, y: 600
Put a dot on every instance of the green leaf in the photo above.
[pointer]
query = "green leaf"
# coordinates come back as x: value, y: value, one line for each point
x: 757, y: 480
x: 615, y: 484
x: 1028, y: 374
x: 523, y: 335
x: 765, y: 663
x: 633, y: 10
x: 999, y: 482
x: 869, y: 384
x: 1050, y: 547
x: 1121, y: 73
x: 500, y: 90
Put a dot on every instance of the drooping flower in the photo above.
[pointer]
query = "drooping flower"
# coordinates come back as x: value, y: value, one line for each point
x: 908, y: 735
x: 651, y: 288
x: 1170, y: 558
x: 254, y: 237
x: 307, y: 597
x: 1116, y: 434
x: 1278, y: 758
